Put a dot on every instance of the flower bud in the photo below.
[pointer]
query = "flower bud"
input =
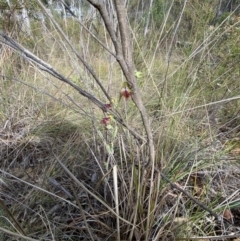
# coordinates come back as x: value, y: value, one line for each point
x: 126, y: 93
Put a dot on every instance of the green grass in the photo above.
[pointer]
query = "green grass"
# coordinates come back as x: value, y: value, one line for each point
x: 58, y: 159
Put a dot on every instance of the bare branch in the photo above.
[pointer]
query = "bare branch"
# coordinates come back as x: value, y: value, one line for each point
x: 85, y: 28
x: 75, y: 51
x: 5, y: 39
x: 123, y: 48
x: 124, y: 33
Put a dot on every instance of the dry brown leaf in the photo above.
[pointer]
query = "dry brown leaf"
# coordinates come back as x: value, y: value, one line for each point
x: 235, y: 151
x: 227, y: 214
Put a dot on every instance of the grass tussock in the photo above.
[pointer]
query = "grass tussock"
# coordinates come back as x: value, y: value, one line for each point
x: 64, y: 176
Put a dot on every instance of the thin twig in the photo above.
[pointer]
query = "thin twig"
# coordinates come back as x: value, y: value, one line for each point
x: 5, y: 39
x: 173, y: 185
x: 94, y: 37
x: 60, y: 30
x: 17, y: 224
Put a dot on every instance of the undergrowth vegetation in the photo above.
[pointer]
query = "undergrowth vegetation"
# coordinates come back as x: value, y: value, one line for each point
x: 71, y: 171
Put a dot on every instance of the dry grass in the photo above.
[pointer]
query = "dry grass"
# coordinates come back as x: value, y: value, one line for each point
x: 65, y: 177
